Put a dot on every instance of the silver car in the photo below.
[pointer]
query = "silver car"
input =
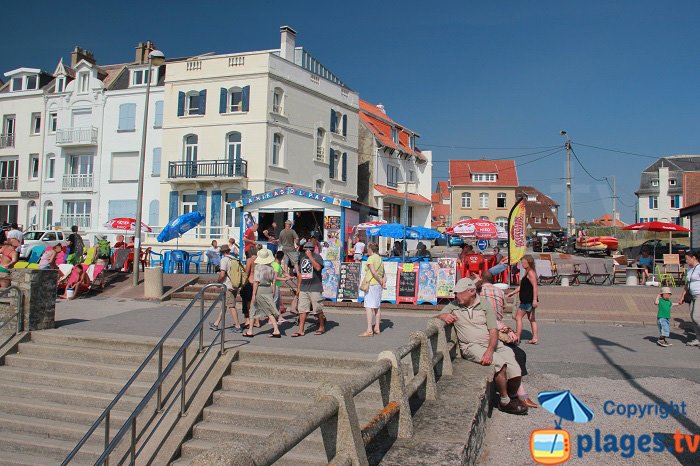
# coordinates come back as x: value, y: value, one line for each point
x: 40, y: 237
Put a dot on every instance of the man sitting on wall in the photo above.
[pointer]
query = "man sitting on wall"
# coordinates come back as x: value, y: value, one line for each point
x: 477, y: 333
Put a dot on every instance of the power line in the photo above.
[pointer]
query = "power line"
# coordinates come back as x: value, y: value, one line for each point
x: 487, y: 148
x: 585, y: 169
x: 617, y: 151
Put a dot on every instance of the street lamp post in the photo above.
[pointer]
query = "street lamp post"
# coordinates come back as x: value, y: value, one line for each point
x: 155, y: 58
x: 569, y: 213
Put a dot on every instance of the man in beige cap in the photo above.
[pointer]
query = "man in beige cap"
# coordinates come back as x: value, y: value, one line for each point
x: 288, y: 240
x: 477, y: 333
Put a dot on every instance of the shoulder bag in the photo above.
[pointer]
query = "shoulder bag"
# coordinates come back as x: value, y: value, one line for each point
x: 687, y: 296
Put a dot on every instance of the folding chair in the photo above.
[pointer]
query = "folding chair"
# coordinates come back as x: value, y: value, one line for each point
x: 599, y: 273
x: 567, y: 270
x: 35, y: 255
x: 583, y: 272
x: 620, y: 269
x: 672, y: 266
x: 665, y: 277
x: 545, y: 275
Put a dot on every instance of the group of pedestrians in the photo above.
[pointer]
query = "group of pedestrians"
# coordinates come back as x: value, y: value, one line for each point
x: 689, y: 296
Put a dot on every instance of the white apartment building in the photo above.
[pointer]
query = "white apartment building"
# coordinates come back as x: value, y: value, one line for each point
x: 244, y: 124
x: 21, y: 144
x: 660, y: 193
x: 389, y: 157
x: 93, y: 139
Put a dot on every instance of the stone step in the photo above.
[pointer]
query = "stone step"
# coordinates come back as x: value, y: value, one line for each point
x: 192, y: 448
x: 231, y: 432
x: 245, y: 416
x: 138, y: 345
x: 24, y: 458
x: 84, y: 367
x: 242, y: 400
x: 55, y: 411
x: 286, y: 389
x: 40, y: 429
x: 344, y: 361
x: 53, y: 450
x: 94, y: 355
x: 67, y: 396
x: 73, y: 381
x: 296, y: 373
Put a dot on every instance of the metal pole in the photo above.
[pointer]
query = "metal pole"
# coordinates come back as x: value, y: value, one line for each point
x: 405, y: 219
x: 183, y: 381
x: 142, y: 163
x: 159, y: 406
x: 107, y: 416
x: 201, y: 325
x: 569, y: 213
x: 614, y: 221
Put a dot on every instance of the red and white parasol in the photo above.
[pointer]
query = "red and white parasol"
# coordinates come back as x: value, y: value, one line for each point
x: 474, y: 228
x: 368, y: 225
x: 126, y: 224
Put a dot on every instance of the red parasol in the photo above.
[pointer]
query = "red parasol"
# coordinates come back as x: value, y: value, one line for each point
x: 126, y: 224
x: 368, y: 225
x: 474, y: 228
x: 658, y: 226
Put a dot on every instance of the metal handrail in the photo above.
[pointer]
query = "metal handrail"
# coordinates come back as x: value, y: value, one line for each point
x: 157, y: 387
x: 4, y: 292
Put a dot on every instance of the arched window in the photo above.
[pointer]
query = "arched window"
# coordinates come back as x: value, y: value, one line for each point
x: 466, y: 200
x: 464, y: 217
x: 277, y: 141
x: 319, y: 186
x: 32, y: 215
x: 235, y: 99
x: 501, y: 200
x: 191, y: 142
x: 48, y: 215
x: 483, y: 217
x: 502, y: 222
x: 278, y: 101
x: 233, y: 146
x: 483, y: 200
x: 321, y: 144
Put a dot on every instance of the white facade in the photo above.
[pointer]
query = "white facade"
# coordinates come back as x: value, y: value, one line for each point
x: 21, y: 144
x: 248, y: 123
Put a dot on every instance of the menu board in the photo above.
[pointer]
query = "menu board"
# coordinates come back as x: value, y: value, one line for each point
x: 349, y: 281
x: 408, y: 280
x: 329, y: 276
x: 446, y: 277
x: 391, y: 270
x: 427, y: 283
x: 331, y: 222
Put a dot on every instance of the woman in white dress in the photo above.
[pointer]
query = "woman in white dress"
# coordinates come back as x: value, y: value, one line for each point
x: 375, y: 278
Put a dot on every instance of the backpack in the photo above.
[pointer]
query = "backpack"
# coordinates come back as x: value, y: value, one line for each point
x: 103, y: 249
x: 236, y: 273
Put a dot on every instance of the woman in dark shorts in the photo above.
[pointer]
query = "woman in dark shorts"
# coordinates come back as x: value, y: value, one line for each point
x: 528, y: 298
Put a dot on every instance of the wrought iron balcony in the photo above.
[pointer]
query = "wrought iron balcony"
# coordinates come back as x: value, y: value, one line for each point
x: 79, y: 182
x: 77, y: 136
x: 208, y: 169
x: 7, y: 140
x: 8, y: 184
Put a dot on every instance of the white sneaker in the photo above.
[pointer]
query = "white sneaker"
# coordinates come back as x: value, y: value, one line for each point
x: 695, y: 342
x: 281, y: 320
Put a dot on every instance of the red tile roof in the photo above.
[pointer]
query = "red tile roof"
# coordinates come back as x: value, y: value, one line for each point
x: 391, y: 192
x: 440, y: 213
x: 435, y: 198
x: 461, y: 171
x: 380, y: 124
x: 530, y: 191
x: 444, y: 189
x: 607, y: 221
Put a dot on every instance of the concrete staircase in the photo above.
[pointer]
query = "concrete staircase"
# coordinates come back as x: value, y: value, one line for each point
x: 54, y: 388
x: 190, y: 291
x: 267, y: 389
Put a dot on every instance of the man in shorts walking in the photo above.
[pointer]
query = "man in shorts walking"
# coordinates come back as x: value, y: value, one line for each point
x: 231, y: 292
x: 288, y: 240
x: 310, y: 288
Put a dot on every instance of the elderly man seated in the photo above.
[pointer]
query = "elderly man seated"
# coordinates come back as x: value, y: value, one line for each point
x: 477, y: 333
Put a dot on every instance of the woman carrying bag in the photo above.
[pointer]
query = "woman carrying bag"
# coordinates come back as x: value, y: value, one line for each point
x: 372, y: 285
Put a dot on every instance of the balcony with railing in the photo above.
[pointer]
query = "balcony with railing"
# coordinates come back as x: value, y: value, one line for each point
x: 214, y: 169
x: 7, y: 140
x: 8, y: 184
x: 79, y: 182
x: 81, y: 220
x: 77, y: 136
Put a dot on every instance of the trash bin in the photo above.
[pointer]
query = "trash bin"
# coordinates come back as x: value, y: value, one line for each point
x: 153, y: 282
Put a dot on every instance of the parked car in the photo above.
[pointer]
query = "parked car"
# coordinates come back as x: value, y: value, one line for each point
x: 40, y: 237
x: 456, y: 241
x: 544, y: 241
x: 661, y: 249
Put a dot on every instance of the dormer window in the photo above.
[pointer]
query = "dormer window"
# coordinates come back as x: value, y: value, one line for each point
x: 412, y: 141
x: 395, y: 135
x: 25, y: 83
x: 32, y: 82
x: 484, y: 177
x: 60, y: 84
x: 139, y: 77
x: 84, y: 82
x: 672, y: 182
x: 531, y: 198
x: 654, y: 183
x: 17, y: 84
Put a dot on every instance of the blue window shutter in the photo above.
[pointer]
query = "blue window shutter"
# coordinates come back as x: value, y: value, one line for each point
x: 158, y: 117
x: 202, y: 202
x: 173, y: 205
x: 153, y: 212
x: 245, y: 98
x: 127, y: 117
x: 202, y: 101
x: 155, y: 170
x: 332, y: 121
x: 215, y: 220
x: 331, y: 166
x: 345, y: 125
x: 345, y: 166
x: 180, y: 103
x: 223, y: 96
x: 651, y: 202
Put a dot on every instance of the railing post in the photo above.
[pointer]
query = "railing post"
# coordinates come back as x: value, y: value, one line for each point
x: 223, y: 324
x: 159, y: 404
x: 394, y: 389
x: 341, y: 433
x: 20, y: 313
x: 106, y: 463
x: 425, y: 364
x: 183, y: 380
x: 132, y: 448
x: 443, y: 344
x: 201, y: 325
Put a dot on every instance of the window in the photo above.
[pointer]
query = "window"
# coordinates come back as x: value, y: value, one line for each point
x: 277, y: 140
x: 538, y: 220
x: 484, y: 177
x: 654, y: 183
x: 339, y: 123
x: 392, y: 213
x: 53, y: 122
x: 121, y: 208
x: 411, y: 176
x: 642, y: 219
x: 77, y: 209
x: 127, y: 117
x: 653, y: 202
x: 50, y: 167
x: 60, y: 84
x: 9, y: 127
x: 672, y: 182
x: 155, y: 168
x: 139, y: 77
x: 392, y: 175
x: 83, y: 82
x: 466, y: 200
x: 193, y: 104
x: 158, y: 115
x: 278, y: 101
x: 412, y: 141
x: 501, y: 200
x: 8, y: 175
x: 233, y: 146
x: 36, y: 123
x: 34, y: 167
x: 190, y: 154
x: 502, y: 222
x: 8, y: 212
x: 233, y: 214
x: 652, y: 219
x: 189, y: 203
x: 395, y: 135
x: 235, y: 100
x: 321, y: 145
x: 550, y: 221
x: 32, y: 82
x: 464, y: 217
x: 319, y: 186
x: 483, y: 217
x: 676, y: 201
x: 48, y: 214
x: 676, y: 220
x: 17, y: 84
x: 483, y: 200
x: 80, y: 165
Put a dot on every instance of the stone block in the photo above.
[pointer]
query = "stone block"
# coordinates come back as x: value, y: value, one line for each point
x: 39, y: 297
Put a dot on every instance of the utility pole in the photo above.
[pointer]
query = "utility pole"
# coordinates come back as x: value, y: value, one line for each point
x: 614, y: 203
x: 569, y: 213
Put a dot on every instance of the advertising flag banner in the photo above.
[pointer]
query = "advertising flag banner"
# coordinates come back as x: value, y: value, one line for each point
x: 517, y: 227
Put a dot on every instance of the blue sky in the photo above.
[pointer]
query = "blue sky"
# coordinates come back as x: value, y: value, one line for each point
x: 478, y: 77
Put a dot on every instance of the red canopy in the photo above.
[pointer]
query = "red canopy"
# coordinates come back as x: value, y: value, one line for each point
x: 474, y: 228
x: 657, y: 226
x: 126, y: 224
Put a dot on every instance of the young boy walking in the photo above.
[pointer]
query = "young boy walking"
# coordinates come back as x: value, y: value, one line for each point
x: 663, y: 316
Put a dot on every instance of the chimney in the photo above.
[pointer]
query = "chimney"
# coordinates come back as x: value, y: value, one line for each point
x: 381, y: 108
x: 287, y: 43
x: 81, y: 54
x: 142, y: 51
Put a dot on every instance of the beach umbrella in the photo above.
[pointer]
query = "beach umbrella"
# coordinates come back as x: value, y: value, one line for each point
x: 368, y: 225
x: 565, y: 405
x: 426, y: 233
x: 393, y: 230
x: 126, y: 224
x: 474, y: 228
x: 179, y: 226
x: 658, y: 227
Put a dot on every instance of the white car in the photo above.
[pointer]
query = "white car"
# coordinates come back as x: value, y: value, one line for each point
x: 40, y: 237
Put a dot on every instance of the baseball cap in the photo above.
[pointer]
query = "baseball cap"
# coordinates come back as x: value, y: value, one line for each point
x: 309, y: 245
x: 464, y: 284
x: 665, y: 290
